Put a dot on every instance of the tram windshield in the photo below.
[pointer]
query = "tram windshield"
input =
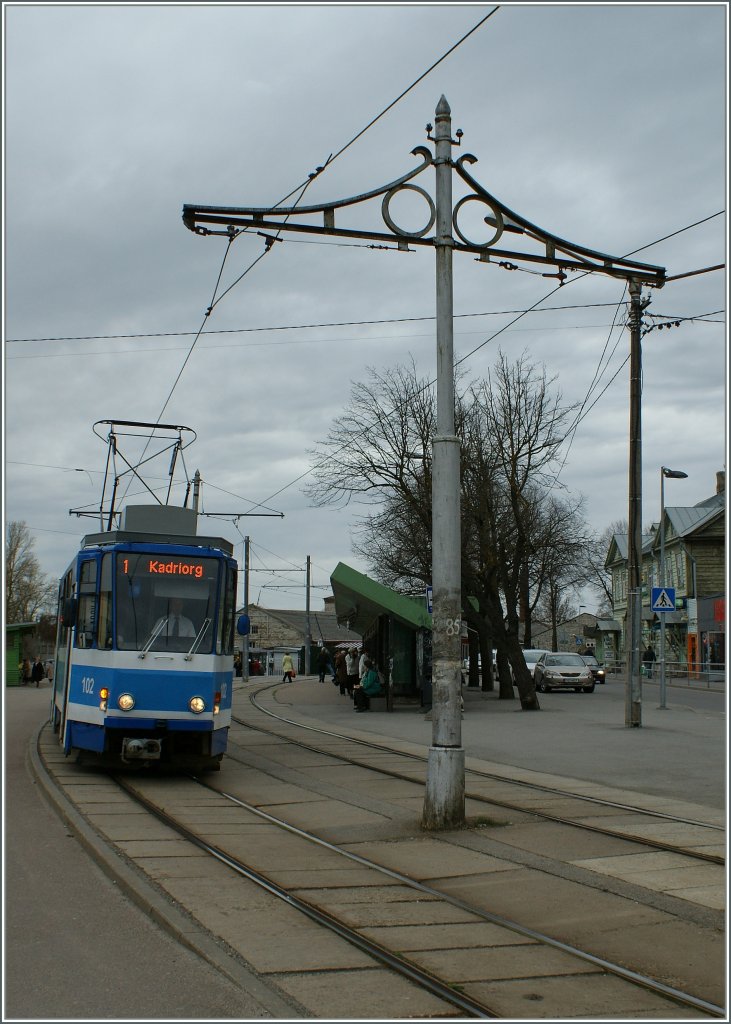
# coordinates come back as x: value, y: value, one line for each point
x: 166, y: 602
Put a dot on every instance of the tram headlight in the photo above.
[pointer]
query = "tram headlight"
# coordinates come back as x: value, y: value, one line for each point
x: 125, y: 701
x: 196, y: 705
x: 217, y: 703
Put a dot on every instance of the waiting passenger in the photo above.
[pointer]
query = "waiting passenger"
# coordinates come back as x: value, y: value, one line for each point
x: 370, y: 686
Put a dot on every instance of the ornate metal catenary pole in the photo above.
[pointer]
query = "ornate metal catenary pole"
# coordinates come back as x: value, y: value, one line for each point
x: 444, y: 800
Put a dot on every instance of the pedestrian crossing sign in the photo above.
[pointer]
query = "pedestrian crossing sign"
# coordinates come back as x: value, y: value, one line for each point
x: 663, y: 599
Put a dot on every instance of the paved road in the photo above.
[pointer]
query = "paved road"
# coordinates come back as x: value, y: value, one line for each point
x: 75, y: 946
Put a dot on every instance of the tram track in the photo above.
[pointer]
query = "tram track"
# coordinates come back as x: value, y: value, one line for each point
x: 385, y: 902
x: 642, y: 815
x: 444, y: 988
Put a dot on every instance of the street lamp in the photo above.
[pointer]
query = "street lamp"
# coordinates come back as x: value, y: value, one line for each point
x: 673, y: 474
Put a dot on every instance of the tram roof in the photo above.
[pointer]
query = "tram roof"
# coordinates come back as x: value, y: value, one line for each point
x: 112, y: 537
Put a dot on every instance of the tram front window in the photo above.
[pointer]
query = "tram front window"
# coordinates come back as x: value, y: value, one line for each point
x: 165, y: 602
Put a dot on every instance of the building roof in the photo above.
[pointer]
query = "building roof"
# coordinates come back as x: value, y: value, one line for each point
x: 684, y: 521
x: 359, y: 600
x: 324, y: 625
x: 687, y: 520
x: 20, y: 627
x: 608, y: 626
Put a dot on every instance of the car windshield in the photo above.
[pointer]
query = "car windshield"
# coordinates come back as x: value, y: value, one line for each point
x: 569, y: 660
x: 531, y: 657
x: 591, y: 660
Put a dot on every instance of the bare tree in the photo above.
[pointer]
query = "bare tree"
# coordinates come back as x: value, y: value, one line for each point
x: 559, y: 568
x: 378, y: 451
x: 28, y: 591
x: 519, y: 418
x: 598, y: 576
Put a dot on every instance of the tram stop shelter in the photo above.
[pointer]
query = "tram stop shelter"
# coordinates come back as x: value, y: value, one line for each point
x: 15, y: 649
x: 396, y: 631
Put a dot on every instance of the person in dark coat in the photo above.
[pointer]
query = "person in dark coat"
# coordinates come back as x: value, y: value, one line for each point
x: 37, y: 672
x: 323, y: 662
x: 648, y: 659
x: 341, y: 671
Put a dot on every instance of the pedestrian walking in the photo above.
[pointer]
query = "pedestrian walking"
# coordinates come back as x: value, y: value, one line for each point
x: 323, y: 662
x: 24, y: 671
x: 648, y: 659
x: 37, y: 672
x: 288, y: 669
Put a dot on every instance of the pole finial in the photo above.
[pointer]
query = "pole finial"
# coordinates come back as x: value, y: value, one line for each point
x: 442, y: 106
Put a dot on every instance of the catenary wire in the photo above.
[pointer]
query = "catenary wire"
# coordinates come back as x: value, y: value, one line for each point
x: 334, y: 156
x: 553, y: 291
x: 301, y: 189
x: 307, y: 327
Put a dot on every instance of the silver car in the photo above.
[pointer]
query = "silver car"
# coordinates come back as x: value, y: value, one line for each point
x: 563, y: 670
x: 531, y: 656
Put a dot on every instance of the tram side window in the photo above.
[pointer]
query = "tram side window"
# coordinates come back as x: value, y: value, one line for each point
x: 86, y: 618
x: 225, y: 639
x: 104, y: 633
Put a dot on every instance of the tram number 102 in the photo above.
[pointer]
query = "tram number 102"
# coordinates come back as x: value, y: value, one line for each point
x: 87, y: 684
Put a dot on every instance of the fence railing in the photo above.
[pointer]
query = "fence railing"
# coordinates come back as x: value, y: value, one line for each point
x: 711, y: 675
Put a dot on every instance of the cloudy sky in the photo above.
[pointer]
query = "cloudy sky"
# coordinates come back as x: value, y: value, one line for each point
x: 603, y: 124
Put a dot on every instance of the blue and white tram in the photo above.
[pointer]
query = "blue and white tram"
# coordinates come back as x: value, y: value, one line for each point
x: 133, y: 686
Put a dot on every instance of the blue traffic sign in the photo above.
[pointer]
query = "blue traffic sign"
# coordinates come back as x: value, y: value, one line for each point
x: 429, y: 607
x: 663, y: 599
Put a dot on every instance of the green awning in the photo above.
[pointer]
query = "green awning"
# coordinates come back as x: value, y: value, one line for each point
x: 359, y: 601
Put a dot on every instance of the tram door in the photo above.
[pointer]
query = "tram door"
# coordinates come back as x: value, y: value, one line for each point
x: 62, y: 666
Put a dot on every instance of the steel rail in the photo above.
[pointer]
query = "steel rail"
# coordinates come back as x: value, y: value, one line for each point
x: 481, y: 774
x: 321, y: 917
x: 606, y: 965
x: 419, y: 976
x: 630, y: 837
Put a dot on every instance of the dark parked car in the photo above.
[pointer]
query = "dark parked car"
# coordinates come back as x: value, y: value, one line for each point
x: 563, y: 670
x: 595, y: 668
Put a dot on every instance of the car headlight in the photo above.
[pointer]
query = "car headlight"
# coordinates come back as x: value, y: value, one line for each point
x: 196, y: 705
x: 125, y: 701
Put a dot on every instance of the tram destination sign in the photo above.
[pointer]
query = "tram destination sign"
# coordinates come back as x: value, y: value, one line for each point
x: 156, y: 566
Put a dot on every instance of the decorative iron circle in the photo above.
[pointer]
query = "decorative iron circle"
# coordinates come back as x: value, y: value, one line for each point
x: 499, y: 225
x: 387, y: 217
